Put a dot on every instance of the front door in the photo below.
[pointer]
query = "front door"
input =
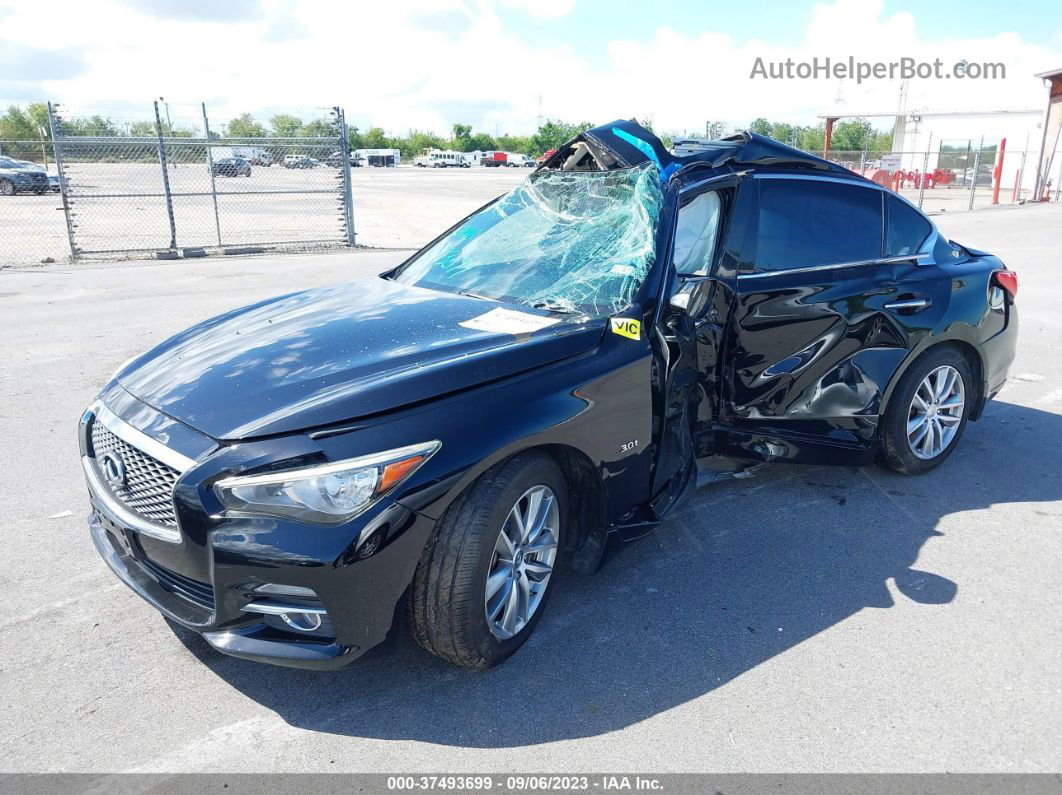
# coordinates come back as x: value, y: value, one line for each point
x: 690, y: 331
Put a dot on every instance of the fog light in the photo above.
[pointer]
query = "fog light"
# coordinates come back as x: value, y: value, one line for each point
x: 304, y: 622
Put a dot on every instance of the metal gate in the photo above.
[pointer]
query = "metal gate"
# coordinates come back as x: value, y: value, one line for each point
x: 171, y: 195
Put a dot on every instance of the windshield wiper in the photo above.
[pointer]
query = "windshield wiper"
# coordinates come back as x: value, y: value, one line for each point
x: 556, y: 309
x: 476, y: 295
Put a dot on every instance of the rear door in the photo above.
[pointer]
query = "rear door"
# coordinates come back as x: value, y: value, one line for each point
x: 826, y: 307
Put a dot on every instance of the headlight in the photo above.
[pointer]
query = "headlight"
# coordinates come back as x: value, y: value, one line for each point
x: 324, y: 494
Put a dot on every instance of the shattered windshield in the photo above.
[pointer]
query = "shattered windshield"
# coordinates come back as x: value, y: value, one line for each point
x: 570, y: 242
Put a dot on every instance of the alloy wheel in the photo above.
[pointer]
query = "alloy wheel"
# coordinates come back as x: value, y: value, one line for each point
x: 522, y: 562
x: 936, y: 412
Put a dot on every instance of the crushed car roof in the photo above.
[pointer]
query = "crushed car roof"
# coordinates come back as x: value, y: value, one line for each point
x: 622, y: 144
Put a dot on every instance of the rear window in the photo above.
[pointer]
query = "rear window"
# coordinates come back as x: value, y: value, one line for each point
x: 803, y: 223
x: 907, y: 229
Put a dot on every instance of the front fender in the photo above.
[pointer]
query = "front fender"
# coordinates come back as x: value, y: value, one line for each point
x: 598, y: 403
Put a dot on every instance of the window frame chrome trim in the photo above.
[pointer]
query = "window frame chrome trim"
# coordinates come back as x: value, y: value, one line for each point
x: 816, y: 268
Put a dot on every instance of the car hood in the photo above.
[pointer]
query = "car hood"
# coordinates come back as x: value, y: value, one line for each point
x: 340, y: 353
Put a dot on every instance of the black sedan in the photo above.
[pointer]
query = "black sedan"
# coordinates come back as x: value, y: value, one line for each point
x: 554, y: 369
x: 232, y: 167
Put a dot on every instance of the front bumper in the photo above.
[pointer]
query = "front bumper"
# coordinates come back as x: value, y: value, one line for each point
x: 357, y: 595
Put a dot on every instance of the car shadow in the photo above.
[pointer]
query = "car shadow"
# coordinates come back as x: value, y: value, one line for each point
x: 745, y: 571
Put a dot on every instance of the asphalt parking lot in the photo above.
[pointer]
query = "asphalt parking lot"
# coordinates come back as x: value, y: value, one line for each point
x: 804, y: 619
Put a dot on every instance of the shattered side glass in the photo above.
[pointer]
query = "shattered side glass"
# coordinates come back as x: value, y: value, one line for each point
x: 573, y: 242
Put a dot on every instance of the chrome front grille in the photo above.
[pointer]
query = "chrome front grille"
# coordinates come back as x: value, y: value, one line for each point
x: 147, y: 488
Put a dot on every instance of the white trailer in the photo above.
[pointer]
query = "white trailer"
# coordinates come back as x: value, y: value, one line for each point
x: 376, y: 157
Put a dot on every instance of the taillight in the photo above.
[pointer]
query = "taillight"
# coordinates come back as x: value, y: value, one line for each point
x: 1008, y: 280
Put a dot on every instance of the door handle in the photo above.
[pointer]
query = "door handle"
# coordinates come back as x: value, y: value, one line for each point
x: 909, y: 304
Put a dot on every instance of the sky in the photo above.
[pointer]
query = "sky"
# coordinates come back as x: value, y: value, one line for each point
x: 501, y: 65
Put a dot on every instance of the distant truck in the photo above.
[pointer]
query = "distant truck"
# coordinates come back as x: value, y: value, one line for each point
x: 519, y: 161
x: 494, y: 159
x: 254, y: 155
x: 542, y: 158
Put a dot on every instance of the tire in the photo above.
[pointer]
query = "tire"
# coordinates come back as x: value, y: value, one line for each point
x: 7, y: 188
x: 447, y: 606
x: 917, y: 455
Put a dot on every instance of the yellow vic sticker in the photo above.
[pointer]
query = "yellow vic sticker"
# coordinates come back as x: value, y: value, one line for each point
x: 626, y: 327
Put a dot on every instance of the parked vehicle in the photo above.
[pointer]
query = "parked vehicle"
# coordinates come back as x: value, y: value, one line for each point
x: 53, y: 183
x: 436, y: 158
x: 378, y: 157
x: 300, y: 161
x: 542, y: 158
x: 21, y: 176
x: 232, y: 167
x: 254, y: 155
x: 551, y: 370
x: 519, y: 161
x: 494, y: 159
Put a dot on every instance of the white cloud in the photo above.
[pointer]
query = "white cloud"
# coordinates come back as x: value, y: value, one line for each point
x: 427, y: 64
x: 544, y: 9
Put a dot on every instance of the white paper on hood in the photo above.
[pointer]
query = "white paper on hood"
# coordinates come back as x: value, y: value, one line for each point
x: 508, y: 321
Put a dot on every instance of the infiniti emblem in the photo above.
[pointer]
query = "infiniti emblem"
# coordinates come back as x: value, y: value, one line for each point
x: 113, y: 470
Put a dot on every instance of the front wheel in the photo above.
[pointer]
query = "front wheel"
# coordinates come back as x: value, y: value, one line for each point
x: 7, y: 187
x: 486, y: 573
x: 927, y: 413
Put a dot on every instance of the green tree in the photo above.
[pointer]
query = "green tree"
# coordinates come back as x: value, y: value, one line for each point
x: 760, y: 126
x: 17, y: 124
x: 462, y: 137
x: 811, y: 139
x: 416, y: 142
x: 514, y: 143
x: 319, y: 128
x: 284, y: 125
x: 92, y: 125
x: 355, y: 137
x: 851, y: 135
x: 554, y: 133
x: 142, y: 129
x: 244, y: 126
x: 376, y: 138
x: 481, y: 141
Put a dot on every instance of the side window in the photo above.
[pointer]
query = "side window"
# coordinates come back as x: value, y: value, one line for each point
x: 803, y: 223
x: 696, y: 232
x: 907, y: 229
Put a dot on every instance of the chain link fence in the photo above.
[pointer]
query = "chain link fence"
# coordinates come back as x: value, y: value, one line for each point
x: 953, y: 181
x: 166, y: 195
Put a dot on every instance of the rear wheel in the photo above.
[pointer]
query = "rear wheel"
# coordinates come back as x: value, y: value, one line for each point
x: 7, y: 187
x: 927, y: 413
x: 485, y: 575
